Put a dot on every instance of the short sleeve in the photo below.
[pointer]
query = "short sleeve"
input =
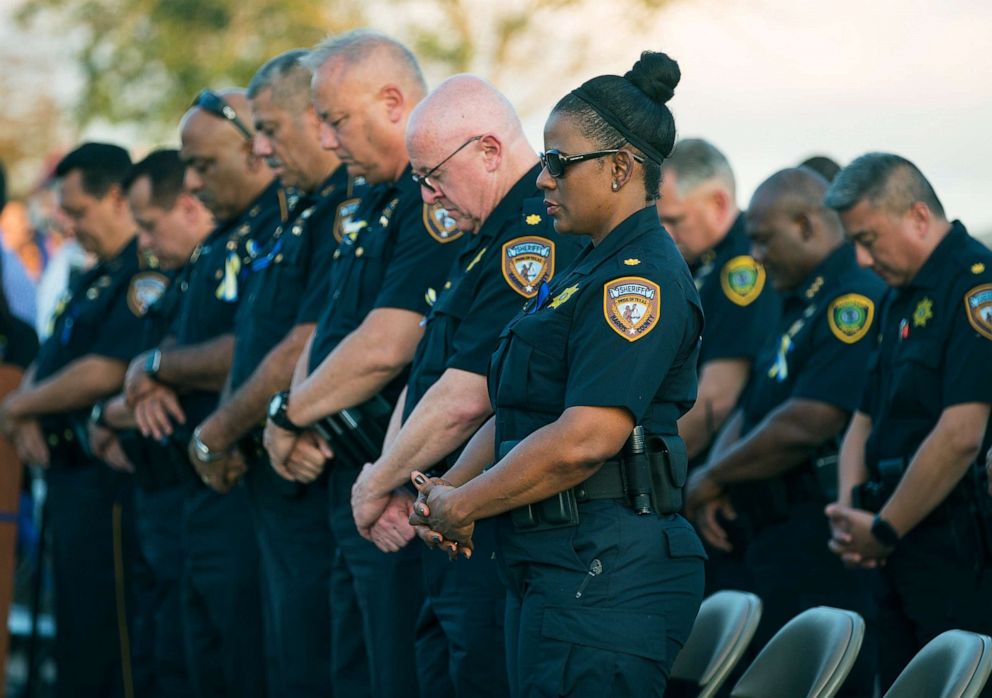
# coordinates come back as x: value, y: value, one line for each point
x: 121, y: 334
x: 967, y: 376
x: 736, y: 325
x: 626, y: 336
x: 419, y: 262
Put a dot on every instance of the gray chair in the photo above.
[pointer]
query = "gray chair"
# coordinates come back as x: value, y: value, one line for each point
x: 955, y: 664
x: 809, y: 657
x: 723, y: 629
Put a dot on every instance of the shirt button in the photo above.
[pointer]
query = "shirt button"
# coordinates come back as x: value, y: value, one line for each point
x: 337, y: 253
x: 336, y: 294
x: 359, y: 251
x: 92, y: 293
x: 183, y: 286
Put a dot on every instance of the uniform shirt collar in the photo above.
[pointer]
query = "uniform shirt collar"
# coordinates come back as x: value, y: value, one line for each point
x: 636, y: 225
x: 525, y: 187
x: 931, y: 274
x: 824, y: 274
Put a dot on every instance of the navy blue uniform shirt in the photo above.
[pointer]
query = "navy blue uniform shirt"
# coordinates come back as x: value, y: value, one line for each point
x: 742, y: 310
x: 935, y: 348
x: 821, y: 346
x: 394, y: 250
x: 214, y: 283
x: 288, y: 280
x: 499, y: 269
x: 18, y: 342
x: 619, y: 328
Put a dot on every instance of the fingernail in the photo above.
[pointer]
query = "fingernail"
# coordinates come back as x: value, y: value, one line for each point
x: 419, y: 479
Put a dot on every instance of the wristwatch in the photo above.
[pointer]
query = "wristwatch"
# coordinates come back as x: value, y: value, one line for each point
x: 202, y: 451
x: 153, y: 362
x: 277, y: 413
x: 96, y: 414
x: 883, y: 532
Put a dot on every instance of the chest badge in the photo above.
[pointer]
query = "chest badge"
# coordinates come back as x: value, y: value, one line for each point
x: 563, y: 296
x: 631, y: 306
x: 145, y: 290
x: 742, y: 280
x: 923, y: 313
x: 977, y: 268
x: 526, y: 262
x: 978, y: 303
x: 850, y: 316
x: 439, y: 224
x: 342, y: 217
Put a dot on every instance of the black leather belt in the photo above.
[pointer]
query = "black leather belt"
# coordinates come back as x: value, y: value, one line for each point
x: 605, y: 483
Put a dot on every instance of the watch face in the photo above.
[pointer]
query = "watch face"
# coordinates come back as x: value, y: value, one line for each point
x: 275, y: 404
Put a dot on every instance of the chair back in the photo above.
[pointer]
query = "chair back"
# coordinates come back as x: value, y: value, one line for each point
x: 955, y: 664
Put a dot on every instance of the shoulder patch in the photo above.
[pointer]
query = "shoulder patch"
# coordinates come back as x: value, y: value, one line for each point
x: 978, y: 304
x: 342, y: 217
x: 526, y: 262
x: 850, y: 316
x: 631, y: 306
x: 145, y: 289
x: 439, y: 224
x: 742, y: 280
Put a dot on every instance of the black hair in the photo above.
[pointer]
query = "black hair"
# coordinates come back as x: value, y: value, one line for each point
x: 822, y: 165
x: 638, y: 100
x: 884, y: 180
x: 165, y: 172
x: 102, y: 166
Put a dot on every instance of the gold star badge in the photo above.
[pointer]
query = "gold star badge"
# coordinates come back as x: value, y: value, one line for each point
x: 632, y: 262
x: 533, y: 219
x: 977, y: 268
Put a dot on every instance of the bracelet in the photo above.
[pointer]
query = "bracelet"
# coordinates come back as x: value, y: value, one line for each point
x: 883, y: 532
x: 202, y: 451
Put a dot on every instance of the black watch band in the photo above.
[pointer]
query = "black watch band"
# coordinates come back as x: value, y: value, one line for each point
x: 883, y: 532
x: 97, y: 416
x: 278, y: 406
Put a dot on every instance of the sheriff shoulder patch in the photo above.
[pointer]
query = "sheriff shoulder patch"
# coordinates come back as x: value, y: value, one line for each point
x: 742, y: 280
x: 342, y: 217
x: 850, y: 316
x: 145, y: 289
x: 439, y: 224
x: 526, y: 262
x: 631, y: 306
x: 978, y: 304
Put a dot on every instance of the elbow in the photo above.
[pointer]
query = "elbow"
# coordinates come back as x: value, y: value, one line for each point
x: 966, y: 445
x: 469, y: 414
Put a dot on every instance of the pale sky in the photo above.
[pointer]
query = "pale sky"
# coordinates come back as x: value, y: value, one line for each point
x: 773, y: 81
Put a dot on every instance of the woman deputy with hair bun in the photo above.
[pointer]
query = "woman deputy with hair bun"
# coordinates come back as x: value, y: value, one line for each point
x: 581, y: 462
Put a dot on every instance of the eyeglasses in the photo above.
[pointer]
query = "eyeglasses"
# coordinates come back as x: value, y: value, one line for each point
x: 424, y: 179
x: 555, y: 163
x: 210, y: 101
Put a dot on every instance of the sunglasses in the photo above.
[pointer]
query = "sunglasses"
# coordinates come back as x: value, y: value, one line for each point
x: 555, y: 163
x: 210, y: 101
x: 424, y: 179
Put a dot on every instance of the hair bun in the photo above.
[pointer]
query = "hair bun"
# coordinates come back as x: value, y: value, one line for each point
x: 656, y: 75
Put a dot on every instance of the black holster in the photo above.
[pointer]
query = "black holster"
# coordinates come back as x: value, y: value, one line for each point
x: 356, y: 434
x: 873, y: 494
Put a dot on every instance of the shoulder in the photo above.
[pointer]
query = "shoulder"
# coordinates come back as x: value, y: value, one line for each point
x: 852, y: 310
x: 144, y: 290
x: 742, y: 279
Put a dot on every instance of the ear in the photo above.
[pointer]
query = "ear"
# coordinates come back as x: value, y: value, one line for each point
x: 117, y: 199
x: 920, y: 216
x: 252, y: 161
x: 721, y: 202
x: 492, y: 152
x: 392, y: 98
x: 622, y: 168
x: 805, y: 225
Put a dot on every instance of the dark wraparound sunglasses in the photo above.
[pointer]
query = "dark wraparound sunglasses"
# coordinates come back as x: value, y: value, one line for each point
x: 555, y: 163
x: 210, y: 101
x: 424, y: 179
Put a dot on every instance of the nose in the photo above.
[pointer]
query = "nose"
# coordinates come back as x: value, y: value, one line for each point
x: 261, y: 145
x: 328, y: 138
x: 429, y: 195
x: 863, y: 256
x: 192, y: 181
x: 545, y: 180
x: 144, y: 240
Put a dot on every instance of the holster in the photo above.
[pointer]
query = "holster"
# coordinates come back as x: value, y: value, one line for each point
x: 873, y: 494
x: 356, y: 434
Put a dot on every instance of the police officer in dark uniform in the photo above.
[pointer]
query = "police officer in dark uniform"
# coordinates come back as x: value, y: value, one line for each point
x: 604, y: 576
x: 394, y: 250
x: 698, y: 206
x: 171, y: 223
x: 912, y: 493
x: 286, y: 292
x: 89, y: 506
x: 221, y: 597
x: 511, y: 250
x: 807, y: 382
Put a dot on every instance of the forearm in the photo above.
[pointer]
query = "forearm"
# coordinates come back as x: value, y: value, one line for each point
x: 785, y: 439
x: 302, y: 363
x: 395, y: 422
x: 939, y: 464
x: 245, y: 407
x: 728, y: 436
x: 720, y: 384
x: 118, y: 415
x: 201, y: 366
x: 78, y: 385
x: 477, y: 454
x: 851, y: 469
x: 444, y: 419
x: 550, y: 460
x: 698, y: 426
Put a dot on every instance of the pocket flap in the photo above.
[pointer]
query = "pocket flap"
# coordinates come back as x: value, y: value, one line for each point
x: 683, y: 542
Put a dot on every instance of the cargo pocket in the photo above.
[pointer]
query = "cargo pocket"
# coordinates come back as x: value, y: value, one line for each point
x: 683, y: 542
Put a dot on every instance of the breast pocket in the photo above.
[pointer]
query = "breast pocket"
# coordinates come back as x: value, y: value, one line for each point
x: 918, y: 369
x: 281, y: 284
x: 535, y: 370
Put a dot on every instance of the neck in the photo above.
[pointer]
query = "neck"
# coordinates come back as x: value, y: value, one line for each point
x: 116, y: 241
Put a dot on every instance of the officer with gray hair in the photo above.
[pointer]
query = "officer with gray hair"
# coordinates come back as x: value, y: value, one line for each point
x: 912, y: 494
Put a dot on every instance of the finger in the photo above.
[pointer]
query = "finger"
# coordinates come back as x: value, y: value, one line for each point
x: 421, y: 482
x: 171, y: 404
x: 382, y: 541
x: 728, y: 511
x: 158, y: 420
x: 715, y: 529
x: 323, y: 446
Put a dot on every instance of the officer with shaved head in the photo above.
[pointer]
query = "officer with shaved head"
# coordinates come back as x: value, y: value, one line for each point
x: 470, y: 155
x: 769, y: 466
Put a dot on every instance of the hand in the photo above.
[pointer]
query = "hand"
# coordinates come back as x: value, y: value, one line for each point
x: 851, y: 537
x: 137, y: 383
x: 8, y: 420
x: 222, y: 474
x: 709, y: 525
x: 306, y: 461
x: 29, y: 441
x: 279, y: 443
x: 433, y: 509
x: 107, y: 447
x: 393, y: 531
x: 700, y: 489
x: 368, y: 503
x: 156, y: 411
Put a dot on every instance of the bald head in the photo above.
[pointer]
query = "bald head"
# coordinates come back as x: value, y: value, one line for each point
x: 791, y: 230
x: 471, y: 130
